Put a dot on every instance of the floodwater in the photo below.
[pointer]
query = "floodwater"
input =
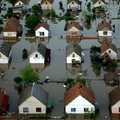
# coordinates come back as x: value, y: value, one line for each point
x: 57, y: 70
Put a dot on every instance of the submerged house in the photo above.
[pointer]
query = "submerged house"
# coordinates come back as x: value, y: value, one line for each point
x: 74, y: 53
x: 42, y: 29
x: 104, y: 29
x: 12, y: 29
x: 5, y: 53
x: 33, y: 100
x: 74, y: 29
x: 39, y: 54
x: 99, y: 3
x: 108, y: 50
x: 79, y: 99
x: 114, y: 100
x: 46, y: 4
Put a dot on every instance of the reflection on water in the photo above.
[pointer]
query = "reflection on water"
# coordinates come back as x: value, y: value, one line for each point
x: 76, y: 40
x: 73, y: 69
x: 104, y: 39
x: 11, y: 42
x: 43, y: 40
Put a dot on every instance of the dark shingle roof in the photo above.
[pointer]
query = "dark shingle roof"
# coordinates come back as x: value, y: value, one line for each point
x: 5, y: 49
x: 104, y: 24
x: 75, y: 91
x: 77, y: 1
x: 11, y: 25
x: 94, y: 1
x: 42, y: 24
x: 114, y: 96
x: 50, y: 1
x: 40, y: 48
x: 74, y: 24
x: 73, y: 47
x: 108, y: 45
x: 36, y: 91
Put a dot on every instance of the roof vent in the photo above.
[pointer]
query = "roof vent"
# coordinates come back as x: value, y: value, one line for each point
x: 80, y: 87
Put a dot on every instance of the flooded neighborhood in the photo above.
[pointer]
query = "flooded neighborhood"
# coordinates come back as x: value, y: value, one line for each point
x: 74, y: 49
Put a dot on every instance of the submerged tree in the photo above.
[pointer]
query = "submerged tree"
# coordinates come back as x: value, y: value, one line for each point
x: 28, y: 75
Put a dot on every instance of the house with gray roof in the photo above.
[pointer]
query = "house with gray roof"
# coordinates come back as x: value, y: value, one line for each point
x: 5, y: 53
x: 74, y: 53
x: 33, y: 100
x: 39, y: 54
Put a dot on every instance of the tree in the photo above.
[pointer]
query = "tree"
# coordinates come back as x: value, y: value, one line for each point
x: 81, y: 80
x: 28, y: 75
x: 18, y: 80
x: 36, y: 9
x: 53, y: 13
x: 24, y: 53
x: 89, y: 6
x: 31, y: 21
x: 1, y: 21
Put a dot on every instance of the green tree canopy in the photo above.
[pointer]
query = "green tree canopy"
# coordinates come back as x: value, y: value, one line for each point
x: 81, y: 80
x: 36, y: 10
x: 28, y: 75
x: 31, y: 21
x: 18, y: 80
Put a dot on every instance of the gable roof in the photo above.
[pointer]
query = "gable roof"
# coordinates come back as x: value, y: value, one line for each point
x: 23, y: 1
x: 39, y: 47
x: 3, y: 101
x: 73, y: 47
x: 75, y: 91
x: 114, y: 96
x: 77, y: 1
x: 94, y: 1
x: 108, y: 45
x: 5, y: 48
x: 103, y: 24
x: 74, y: 24
x: 111, y: 76
x: 11, y: 25
x: 42, y: 24
x: 50, y: 1
x: 36, y: 91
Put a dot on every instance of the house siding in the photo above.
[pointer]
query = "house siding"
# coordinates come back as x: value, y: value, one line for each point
x: 97, y: 4
x: 79, y: 104
x: 32, y: 103
x: 112, y: 54
x: 76, y: 57
x: 71, y: 5
x: 47, y: 6
x: 9, y: 34
x: 101, y: 33
x: 18, y: 3
x: 38, y: 59
x: 73, y: 30
x: 41, y: 29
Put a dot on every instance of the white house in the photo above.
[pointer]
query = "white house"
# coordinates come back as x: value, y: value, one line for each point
x: 42, y: 30
x: 98, y: 3
x: 33, y: 100
x: 114, y: 100
x: 39, y: 54
x: 20, y: 2
x: 79, y: 99
x: 73, y: 4
x: 5, y: 53
x: 73, y: 53
x: 108, y: 50
x: 104, y: 29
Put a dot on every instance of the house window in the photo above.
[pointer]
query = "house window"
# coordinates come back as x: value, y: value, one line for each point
x: 72, y: 2
x: 99, y: 2
x: 73, y: 33
x: 36, y: 70
x: 73, y: 55
x: 42, y: 39
x: 9, y: 34
x: 38, y: 109
x: 109, y: 51
x: 42, y: 33
x: 86, y: 109
x: 73, y: 109
x: 25, y: 109
x: 119, y: 109
x: 104, y: 32
x: 36, y: 55
x: 46, y: 2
